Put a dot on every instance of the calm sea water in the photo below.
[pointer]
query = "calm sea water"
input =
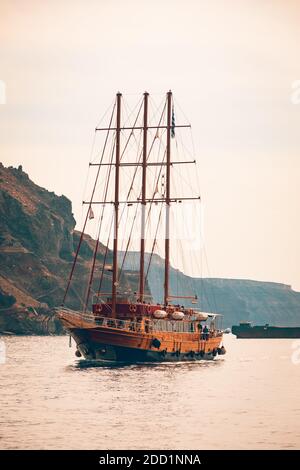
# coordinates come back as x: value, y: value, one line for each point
x: 247, y: 399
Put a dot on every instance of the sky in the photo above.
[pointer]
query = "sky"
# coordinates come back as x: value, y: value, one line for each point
x: 231, y: 65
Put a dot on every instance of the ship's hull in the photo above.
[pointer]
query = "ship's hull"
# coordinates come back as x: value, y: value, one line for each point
x: 114, y: 340
x: 266, y: 332
x: 116, y: 353
x: 113, y: 346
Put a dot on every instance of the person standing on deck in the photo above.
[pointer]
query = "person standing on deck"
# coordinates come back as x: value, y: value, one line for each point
x: 205, y: 333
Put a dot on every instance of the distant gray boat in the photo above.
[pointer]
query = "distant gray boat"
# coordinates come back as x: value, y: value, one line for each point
x: 246, y: 330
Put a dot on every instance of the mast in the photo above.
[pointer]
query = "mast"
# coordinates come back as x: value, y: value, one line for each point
x: 168, y: 181
x: 116, y: 207
x: 143, y: 199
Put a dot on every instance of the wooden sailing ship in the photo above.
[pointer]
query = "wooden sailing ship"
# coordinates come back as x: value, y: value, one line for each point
x: 124, y: 327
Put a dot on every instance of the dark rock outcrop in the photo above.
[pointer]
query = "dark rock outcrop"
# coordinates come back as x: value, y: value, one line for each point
x: 37, y: 248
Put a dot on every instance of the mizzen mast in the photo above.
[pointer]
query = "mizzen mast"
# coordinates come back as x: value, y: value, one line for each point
x: 116, y: 208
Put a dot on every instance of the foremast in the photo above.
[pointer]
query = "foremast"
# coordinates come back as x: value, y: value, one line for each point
x: 116, y: 208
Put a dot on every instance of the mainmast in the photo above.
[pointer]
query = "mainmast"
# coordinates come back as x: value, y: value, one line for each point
x: 116, y: 208
x: 143, y: 199
x: 168, y: 181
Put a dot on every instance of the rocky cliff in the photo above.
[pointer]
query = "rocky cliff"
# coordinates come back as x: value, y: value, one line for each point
x: 37, y: 244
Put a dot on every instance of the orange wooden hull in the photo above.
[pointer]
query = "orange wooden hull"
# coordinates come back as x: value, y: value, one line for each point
x: 113, y: 344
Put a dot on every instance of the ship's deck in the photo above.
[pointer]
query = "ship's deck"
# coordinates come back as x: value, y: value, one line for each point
x: 141, y: 325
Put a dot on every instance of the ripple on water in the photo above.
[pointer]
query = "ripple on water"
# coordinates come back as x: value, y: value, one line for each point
x: 51, y: 400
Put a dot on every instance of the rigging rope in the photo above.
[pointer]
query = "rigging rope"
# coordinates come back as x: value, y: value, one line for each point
x: 135, y: 172
x: 102, y: 215
x: 99, y: 230
x: 89, y: 208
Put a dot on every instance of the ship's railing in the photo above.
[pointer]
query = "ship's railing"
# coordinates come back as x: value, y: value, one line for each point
x: 78, y: 316
x: 144, y: 325
x: 177, y: 326
x: 95, y: 320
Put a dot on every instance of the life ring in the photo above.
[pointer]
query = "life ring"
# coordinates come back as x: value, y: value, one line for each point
x: 132, y: 308
x: 149, y: 309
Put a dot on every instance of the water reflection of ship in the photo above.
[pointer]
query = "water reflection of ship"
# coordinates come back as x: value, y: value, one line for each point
x: 131, y: 327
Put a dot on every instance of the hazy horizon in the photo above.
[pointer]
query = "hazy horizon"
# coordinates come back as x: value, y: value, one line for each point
x: 231, y: 67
